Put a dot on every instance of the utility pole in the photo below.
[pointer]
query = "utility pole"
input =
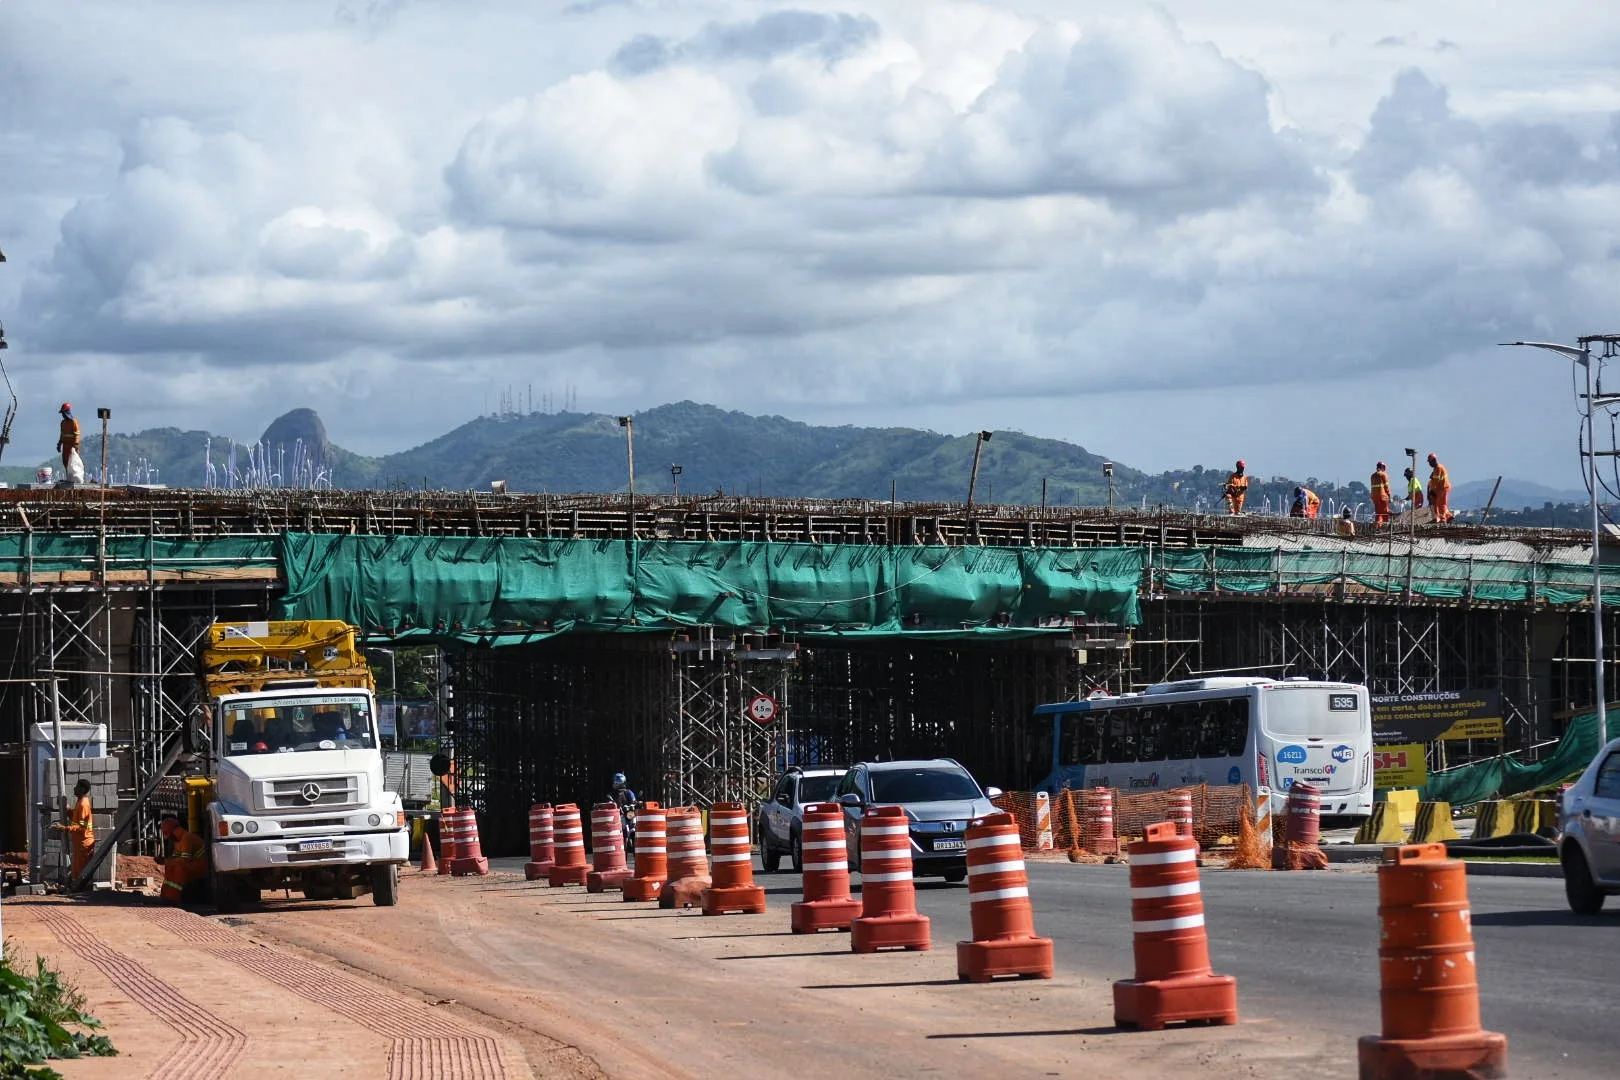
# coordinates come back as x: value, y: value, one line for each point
x: 628, y: 423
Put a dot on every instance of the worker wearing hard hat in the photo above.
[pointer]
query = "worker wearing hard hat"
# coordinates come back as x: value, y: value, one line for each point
x: 1237, y: 489
x: 67, y: 442
x: 1380, y: 494
x: 1307, y: 503
x: 185, y: 862
x: 1439, y: 490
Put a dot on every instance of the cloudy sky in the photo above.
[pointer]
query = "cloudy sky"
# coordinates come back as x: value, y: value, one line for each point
x: 1174, y: 233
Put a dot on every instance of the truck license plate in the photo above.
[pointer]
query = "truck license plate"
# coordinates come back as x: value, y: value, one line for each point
x: 950, y: 845
x: 315, y: 845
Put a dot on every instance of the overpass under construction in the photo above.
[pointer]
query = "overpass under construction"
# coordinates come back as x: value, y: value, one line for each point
x: 588, y: 634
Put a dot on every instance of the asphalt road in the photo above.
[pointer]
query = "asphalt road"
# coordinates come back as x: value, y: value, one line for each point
x: 1304, y: 949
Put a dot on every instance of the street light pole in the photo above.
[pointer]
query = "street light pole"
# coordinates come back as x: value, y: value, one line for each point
x: 1583, y: 357
x: 628, y: 423
x: 973, y: 478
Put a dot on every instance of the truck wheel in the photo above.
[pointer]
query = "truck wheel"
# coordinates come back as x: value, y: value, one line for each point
x: 385, y: 885
x: 227, y: 901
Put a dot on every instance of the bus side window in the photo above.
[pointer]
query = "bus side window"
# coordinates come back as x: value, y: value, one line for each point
x: 1210, y: 742
x: 1150, y: 737
x: 1120, y: 745
x: 1082, y: 739
x: 1235, y: 727
x: 1181, y: 735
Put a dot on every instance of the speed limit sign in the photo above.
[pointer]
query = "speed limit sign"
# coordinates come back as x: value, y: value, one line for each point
x: 762, y: 709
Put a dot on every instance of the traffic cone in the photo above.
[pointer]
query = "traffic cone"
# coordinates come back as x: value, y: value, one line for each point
x: 827, y: 904
x: 430, y: 865
x: 568, y: 856
x: 469, y: 860
x: 1043, y: 821
x: 1004, y: 941
x: 889, y: 918
x: 1428, y: 995
x: 449, y: 837
x: 1181, y: 812
x: 1099, y: 836
x: 1173, y: 977
x: 540, y: 842
x: 608, y: 867
x: 733, y: 889
x: 688, y: 865
x: 652, y: 854
x: 1301, y: 848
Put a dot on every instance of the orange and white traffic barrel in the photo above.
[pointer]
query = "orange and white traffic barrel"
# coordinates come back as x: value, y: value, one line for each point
x: 688, y: 864
x: 609, y: 869
x: 733, y: 889
x: 889, y: 918
x: 1099, y: 822
x: 1429, y: 990
x: 469, y: 858
x: 568, y: 866
x: 540, y: 837
x: 1004, y: 941
x: 1301, y: 848
x: 652, y: 854
x: 449, y: 837
x: 827, y: 903
x: 1043, y: 821
x: 1181, y: 812
x: 1173, y: 981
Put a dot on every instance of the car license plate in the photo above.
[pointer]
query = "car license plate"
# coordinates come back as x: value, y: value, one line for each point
x: 315, y: 845
x: 950, y: 845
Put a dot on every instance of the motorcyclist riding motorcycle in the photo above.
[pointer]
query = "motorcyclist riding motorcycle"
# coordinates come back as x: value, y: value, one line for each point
x: 626, y: 800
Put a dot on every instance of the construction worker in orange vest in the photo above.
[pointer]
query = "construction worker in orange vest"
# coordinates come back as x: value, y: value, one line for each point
x: 81, y: 828
x: 1237, y: 488
x: 68, y: 439
x: 186, y: 861
x: 1439, y: 490
x: 1380, y: 494
x: 1307, y: 503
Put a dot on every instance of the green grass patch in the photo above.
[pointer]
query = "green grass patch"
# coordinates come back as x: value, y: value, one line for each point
x: 42, y: 1018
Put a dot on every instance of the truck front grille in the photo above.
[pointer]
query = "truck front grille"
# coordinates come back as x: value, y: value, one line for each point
x: 331, y: 793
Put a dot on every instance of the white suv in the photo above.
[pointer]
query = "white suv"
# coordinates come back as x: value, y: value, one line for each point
x: 782, y: 817
x: 1589, y: 846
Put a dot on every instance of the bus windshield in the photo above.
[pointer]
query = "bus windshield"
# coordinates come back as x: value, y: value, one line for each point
x: 289, y: 725
x: 1311, y: 713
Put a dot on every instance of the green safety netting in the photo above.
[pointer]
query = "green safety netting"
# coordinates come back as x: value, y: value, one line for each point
x: 42, y: 552
x: 516, y: 587
x: 1278, y: 570
x: 1499, y: 777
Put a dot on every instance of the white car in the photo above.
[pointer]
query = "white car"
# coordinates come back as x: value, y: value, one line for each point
x: 782, y: 818
x: 1589, y: 826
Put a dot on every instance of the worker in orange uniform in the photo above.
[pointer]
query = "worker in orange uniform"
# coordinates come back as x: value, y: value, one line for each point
x: 185, y: 862
x: 1237, y: 488
x: 1439, y: 490
x: 81, y: 828
x: 1307, y: 503
x: 1380, y: 494
x: 68, y: 440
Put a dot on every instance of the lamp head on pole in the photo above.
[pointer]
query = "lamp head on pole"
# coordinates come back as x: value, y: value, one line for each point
x: 625, y: 421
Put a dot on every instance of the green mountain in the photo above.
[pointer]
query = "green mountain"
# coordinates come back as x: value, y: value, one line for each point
x: 718, y: 451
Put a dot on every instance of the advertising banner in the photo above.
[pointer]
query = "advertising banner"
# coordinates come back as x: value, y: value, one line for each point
x: 1442, y: 714
x: 1400, y: 766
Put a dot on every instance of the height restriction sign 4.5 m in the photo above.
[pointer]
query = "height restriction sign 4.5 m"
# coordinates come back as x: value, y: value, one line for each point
x: 762, y: 709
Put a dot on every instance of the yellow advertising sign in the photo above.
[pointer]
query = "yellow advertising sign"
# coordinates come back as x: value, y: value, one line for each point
x: 1489, y: 727
x: 1400, y: 766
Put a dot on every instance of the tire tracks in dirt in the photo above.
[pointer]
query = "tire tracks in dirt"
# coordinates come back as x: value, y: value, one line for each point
x: 424, y: 1044
x: 209, y: 1047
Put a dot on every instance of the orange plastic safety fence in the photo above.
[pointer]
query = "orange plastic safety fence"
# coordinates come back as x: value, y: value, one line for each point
x: 1220, y: 814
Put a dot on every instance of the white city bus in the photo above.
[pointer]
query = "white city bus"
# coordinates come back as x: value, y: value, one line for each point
x: 1267, y: 733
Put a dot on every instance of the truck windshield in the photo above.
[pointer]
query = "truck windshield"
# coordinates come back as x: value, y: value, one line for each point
x: 271, y: 726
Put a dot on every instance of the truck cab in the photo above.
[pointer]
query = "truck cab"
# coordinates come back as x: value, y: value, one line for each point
x: 297, y: 798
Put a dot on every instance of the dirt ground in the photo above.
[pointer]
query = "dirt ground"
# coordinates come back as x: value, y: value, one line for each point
x: 497, y: 977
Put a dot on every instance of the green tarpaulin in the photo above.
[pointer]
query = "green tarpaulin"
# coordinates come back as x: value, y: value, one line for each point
x: 514, y: 586
x: 1499, y: 777
x: 1447, y: 577
x: 50, y: 553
